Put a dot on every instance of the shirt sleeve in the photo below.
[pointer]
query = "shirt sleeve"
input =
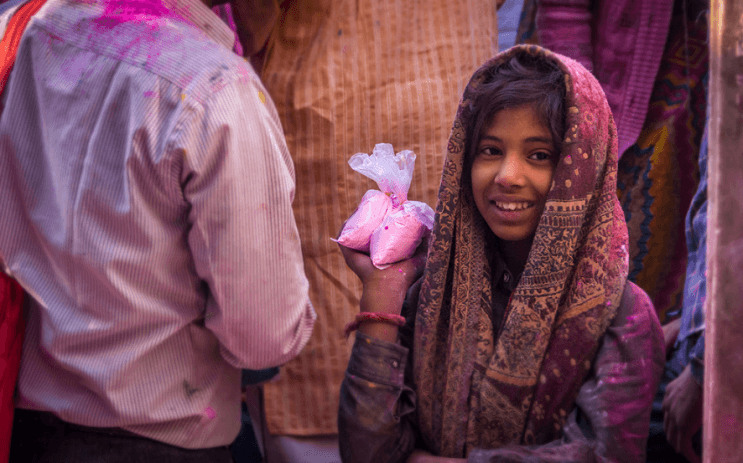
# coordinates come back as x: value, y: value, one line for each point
x: 375, y: 417
x: 238, y: 178
x: 612, y: 416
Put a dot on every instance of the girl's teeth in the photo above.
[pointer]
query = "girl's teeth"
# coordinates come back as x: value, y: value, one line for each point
x: 512, y: 206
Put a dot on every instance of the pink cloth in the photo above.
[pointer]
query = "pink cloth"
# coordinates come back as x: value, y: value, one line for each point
x: 620, y: 41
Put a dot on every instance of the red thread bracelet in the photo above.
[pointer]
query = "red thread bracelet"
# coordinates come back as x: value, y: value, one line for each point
x: 397, y: 320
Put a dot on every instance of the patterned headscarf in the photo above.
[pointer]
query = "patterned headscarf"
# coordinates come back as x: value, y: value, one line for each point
x: 477, y: 393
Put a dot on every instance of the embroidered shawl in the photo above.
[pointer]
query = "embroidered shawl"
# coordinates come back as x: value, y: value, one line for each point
x: 477, y: 392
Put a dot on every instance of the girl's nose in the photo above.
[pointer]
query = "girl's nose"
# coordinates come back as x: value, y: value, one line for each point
x: 510, y: 172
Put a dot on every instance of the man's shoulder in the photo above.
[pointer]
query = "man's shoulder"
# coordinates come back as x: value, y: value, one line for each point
x: 163, y: 44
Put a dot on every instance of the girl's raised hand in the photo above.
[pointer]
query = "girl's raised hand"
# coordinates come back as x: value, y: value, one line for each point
x: 398, y: 276
x: 384, y: 290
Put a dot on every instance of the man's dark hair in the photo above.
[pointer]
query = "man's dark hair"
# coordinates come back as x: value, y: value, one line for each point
x: 522, y: 80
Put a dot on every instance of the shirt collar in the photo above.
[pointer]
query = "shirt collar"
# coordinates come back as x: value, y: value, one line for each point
x: 205, y: 19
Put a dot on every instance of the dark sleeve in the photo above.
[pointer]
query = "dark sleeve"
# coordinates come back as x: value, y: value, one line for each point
x: 375, y: 415
x: 610, y: 422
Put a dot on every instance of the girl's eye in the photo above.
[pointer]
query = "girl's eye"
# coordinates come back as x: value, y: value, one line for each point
x: 490, y: 151
x: 542, y: 156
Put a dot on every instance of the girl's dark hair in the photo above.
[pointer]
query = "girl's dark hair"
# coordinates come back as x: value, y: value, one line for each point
x: 522, y: 80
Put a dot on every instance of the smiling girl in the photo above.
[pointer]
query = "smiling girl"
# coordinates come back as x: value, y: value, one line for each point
x: 523, y: 341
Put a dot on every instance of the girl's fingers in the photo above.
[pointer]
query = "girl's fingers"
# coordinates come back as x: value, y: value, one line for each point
x: 358, y: 262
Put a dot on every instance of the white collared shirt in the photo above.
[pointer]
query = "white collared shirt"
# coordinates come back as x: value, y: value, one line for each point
x: 145, y: 190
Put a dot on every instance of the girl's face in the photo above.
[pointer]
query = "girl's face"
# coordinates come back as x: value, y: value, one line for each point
x: 512, y: 172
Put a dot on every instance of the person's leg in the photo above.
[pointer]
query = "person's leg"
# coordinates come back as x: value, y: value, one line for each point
x: 85, y: 447
x: 31, y: 437
x: 44, y: 438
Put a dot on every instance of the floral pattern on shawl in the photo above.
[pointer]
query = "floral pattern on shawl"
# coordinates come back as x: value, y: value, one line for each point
x: 477, y: 391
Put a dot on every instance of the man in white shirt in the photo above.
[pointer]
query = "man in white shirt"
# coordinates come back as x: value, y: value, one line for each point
x: 146, y: 192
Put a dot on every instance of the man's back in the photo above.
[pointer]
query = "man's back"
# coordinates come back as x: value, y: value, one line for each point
x: 146, y: 191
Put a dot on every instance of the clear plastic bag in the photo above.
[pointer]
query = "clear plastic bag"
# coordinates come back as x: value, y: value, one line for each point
x: 386, y: 224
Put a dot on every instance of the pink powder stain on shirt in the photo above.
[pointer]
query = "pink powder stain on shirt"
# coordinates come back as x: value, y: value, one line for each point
x: 149, y: 12
x: 120, y: 11
x: 210, y: 413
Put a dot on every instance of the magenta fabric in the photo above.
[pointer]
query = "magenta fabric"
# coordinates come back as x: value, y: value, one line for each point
x: 225, y: 13
x: 620, y: 41
x: 11, y: 341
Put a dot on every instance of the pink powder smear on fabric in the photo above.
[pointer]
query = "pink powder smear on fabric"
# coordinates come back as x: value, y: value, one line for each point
x: 152, y: 13
x: 121, y: 11
x: 357, y: 232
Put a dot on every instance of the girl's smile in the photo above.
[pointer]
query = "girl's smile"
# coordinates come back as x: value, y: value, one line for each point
x: 512, y: 172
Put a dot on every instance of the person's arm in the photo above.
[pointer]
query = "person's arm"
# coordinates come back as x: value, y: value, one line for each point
x: 238, y: 179
x: 682, y: 413
x: 682, y: 404
x: 565, y: 27
x: 377, y: 405
x: 375, y: 416
x: 611, y: 420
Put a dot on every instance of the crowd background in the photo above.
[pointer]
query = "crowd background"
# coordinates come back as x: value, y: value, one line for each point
x: 345, y: 75
x: 323, y: 62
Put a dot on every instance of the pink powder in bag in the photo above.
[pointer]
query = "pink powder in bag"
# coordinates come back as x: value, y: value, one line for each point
x: 386, y: 225
x: 372, y: 210
x: 401, y: 233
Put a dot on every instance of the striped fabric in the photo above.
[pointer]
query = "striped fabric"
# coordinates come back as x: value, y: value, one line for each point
x: 14, y: 19
x: 346, y: 75
x: 693, y: 325
x: 146, y: 190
